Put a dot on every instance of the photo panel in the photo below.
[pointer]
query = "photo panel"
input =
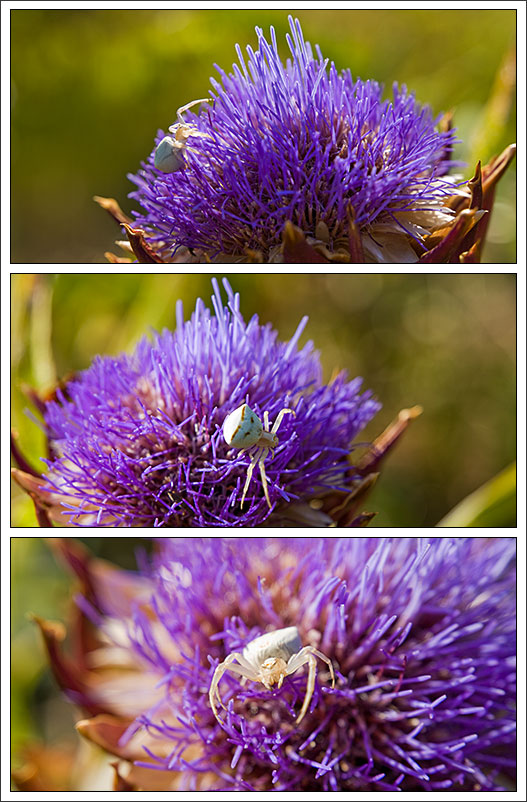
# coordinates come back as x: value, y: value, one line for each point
x: 349, y: 365
x: 264, y: 136
x: 264, y: 664
x: 264, y: 400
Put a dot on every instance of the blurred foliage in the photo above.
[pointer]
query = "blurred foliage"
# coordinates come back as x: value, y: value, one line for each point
x: 40, y: 585
x: 446, y: 342
x: 490, y: 505
x: 90, y: 88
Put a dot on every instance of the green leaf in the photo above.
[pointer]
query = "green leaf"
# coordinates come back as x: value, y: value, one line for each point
x: 493, y: 504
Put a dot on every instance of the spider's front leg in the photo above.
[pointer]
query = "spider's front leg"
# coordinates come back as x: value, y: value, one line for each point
x: 261, y: 463
x: 244, y: 670
x: 279, y: 418
x: 310, y: 685
x: 188, y: 106
x: 316, y: 653
x: 250, y: 469
x: 307, y: 655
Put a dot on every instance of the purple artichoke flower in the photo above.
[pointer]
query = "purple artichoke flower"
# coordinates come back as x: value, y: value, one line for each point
x: 420, y: 633
x: 139, y: 441
x: 297, y: 162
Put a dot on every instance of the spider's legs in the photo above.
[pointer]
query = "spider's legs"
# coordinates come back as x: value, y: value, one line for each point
x: 310, y: 685
x: 297, y: 660
x: 326, y: 660
x: 279, y: 417
x: 307, y: 655
x: 182, y: 132
x: 189, y: 106
x: 250, y: 469
x: 228, y: 665
x: 261, y: 463
x: 266, y: 421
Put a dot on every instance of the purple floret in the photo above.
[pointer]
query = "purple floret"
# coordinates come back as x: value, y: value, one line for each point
x: 421, y: 633
x: 298, y: 142
x: 137, y: 440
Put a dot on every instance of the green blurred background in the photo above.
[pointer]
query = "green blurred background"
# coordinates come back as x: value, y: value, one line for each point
x: 90, y: 89
x: 41, y: 585
x: 446, y: 342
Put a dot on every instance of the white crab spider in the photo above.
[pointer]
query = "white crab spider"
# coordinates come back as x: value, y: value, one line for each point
x: 243, y: 429
x: 168, y: 156
x: 269, y: 659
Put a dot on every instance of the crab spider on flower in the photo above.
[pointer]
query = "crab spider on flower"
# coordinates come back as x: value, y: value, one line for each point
x: 243, y: 429
x: 269, y: 659
x: 169, y: 154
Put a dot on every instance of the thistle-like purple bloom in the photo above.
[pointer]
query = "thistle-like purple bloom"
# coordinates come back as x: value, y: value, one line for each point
x: 421, y: 634
x: 302, y: 143
x: 138, y: 441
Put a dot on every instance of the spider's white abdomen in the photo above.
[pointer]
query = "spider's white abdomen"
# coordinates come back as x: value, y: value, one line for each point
x: 242, y: 428
x: 168, y: 156
x: 280, y: 643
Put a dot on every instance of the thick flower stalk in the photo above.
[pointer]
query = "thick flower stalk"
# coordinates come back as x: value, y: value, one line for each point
x: 420, y: 633
x: 297, y: 162
x: 139, y: 440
